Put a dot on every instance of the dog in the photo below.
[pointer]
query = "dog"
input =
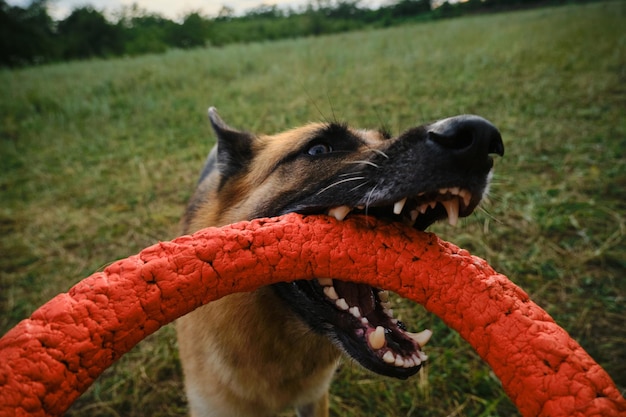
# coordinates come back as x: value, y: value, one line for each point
x: 259, y: 353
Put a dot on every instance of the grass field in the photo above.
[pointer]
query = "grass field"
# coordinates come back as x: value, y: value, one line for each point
x: 98, y: 159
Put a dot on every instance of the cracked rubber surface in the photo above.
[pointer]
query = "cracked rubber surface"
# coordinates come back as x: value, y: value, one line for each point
x: 48, y: 360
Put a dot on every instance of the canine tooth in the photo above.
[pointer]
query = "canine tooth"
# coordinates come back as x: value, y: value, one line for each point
x: 355, y: 312
x: 452, y: 207
x: 397, y: 208
x: 342, y: 304
x: 325, y: 282
x: 414, y: 214
x: 383, y: 296
x: 466, y: 196
x: 399, y: 362
x: 377, y: 338
x: 422, y: 337
x: 339, y: 212
x: 389, y: 357
x: 331, y: 293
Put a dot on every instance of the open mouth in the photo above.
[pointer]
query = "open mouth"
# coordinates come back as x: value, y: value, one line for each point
x: 373, y: 322
x: 360, y: 317
x: 388, y: 339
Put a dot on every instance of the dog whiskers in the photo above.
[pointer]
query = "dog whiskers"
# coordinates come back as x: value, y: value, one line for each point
x: 363, y: 162
x: 369, y: 198
x: 339, y: 182
x: 359, y: 186
x: 379, y: 152
x: 489, y: 215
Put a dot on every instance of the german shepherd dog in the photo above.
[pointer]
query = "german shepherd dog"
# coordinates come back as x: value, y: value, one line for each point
x: 255, y: 354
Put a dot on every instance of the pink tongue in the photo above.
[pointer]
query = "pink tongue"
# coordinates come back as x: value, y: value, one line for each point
x: 360, y: 295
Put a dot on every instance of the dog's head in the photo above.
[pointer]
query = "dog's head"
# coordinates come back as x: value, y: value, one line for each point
x: 428, y: 173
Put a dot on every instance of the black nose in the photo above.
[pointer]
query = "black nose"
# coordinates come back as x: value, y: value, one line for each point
x: 470, y: 138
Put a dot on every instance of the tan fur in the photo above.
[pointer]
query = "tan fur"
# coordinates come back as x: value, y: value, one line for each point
x: 237, y: 369
x: 230, y: 366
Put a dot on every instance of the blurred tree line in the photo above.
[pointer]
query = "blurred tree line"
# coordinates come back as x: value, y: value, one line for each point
x: 30, y: 36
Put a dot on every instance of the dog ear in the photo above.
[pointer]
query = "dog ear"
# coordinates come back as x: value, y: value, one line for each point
x: 234, y: 148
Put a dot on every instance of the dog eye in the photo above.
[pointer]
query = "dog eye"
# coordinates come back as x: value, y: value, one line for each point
x: 319, y: 149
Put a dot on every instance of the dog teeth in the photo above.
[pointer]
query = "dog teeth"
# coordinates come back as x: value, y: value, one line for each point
x: 331, y: 293
x: 397, y: 208
x: 420, y: 338
x: 355, y: 311
x: 339, y: 212
x: 376, y: 338
x: 466, y: 196
x: 389, y: 357
x: 399, y: 362
x: 452, y: 207
x: 342, y: 304
x: 416, y: 360
x: 402, y: 362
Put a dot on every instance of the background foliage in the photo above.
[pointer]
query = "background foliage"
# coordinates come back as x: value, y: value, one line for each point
x: 100, y: 156
x: 30, y: 36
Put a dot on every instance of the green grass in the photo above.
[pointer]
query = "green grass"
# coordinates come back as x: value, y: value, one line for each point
x: 99, y: 158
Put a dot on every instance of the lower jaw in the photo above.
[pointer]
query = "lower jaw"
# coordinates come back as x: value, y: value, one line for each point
x: 369, y: 338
